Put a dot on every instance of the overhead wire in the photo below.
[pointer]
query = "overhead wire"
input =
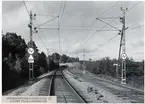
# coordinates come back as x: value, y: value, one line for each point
x: 105, y: 42
x: 59, y: 23
x: 64, y: 29
x: 58, y: 27
x: 33, y: 23
x: 113, y: 38
x: 62, y: 14
x: 95, y: 21
x: 117, y: 34
x: 60, y: 9
x: 47, y: 21
x: 136, y: 27
x: 94, y: 34
x: 27, y: 12
x: 26, y: 7
x: 110, y: 22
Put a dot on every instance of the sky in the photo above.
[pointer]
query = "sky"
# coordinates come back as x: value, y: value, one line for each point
x: 78, y: 25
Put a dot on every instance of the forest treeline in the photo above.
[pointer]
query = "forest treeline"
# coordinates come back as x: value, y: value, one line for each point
x: 106, y: 67
x: 15, y: 69
x: 15, y: 63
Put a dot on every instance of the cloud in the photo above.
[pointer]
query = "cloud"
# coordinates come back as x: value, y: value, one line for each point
x: 76, y: 13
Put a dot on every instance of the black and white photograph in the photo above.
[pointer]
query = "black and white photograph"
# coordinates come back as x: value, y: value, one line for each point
x: 76, y: 51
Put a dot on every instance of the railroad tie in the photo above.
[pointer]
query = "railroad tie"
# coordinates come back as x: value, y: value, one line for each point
x: 44, y: 89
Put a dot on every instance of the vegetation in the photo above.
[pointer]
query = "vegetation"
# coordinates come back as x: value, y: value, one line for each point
x: 15, y: 67
x: 104, y: 66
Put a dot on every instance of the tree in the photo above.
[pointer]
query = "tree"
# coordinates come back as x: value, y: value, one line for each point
x: 63, y: 58
x: 13, y: 50
x: 11, y: 43
x: 90, y: 59
x: 42, y: 61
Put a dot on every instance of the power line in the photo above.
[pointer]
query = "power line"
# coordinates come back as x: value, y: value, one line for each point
x: 47, y: 21
x: 108, y: 9
x: 26, y: 8
x: 59, y: 37
x: 58, y: 28
x: 94, y: 34
x: 60, y: 9
x: 59, y: 41
x: 46, y: 15
x: 134, y: 5
x: 65, y: 29
x: 105, y: 42
x: 27, y: 12
x: 40, y: 37
x: 59, y: 22
x: 95, y: 21
x: 33, y: 23
x: 136, y: 27
x: 41, y: 40
x: 62, y: 15
x: 109, y: 23
x: 72, y: 26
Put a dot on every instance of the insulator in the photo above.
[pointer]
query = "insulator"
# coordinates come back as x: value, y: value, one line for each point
x: 121, y: 8
x: 126, y: 9
x: 29, y: 25
x: 121, y: 19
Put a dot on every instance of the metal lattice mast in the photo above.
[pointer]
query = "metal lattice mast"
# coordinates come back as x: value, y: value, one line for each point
x: 123, y: 55
x: 30, y: 25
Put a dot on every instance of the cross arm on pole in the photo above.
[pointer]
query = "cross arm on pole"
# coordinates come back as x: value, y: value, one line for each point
x: 108, y: 24
x: 108, y: 17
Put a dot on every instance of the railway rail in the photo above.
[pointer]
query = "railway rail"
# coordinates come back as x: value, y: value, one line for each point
x: 46, y: 88
x: 58, y: 85
x: 132, y: 94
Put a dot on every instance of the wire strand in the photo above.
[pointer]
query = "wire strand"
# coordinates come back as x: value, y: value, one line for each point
x: 33, y: 23
x: 26, y: 7
x: 95, y: 21
x: 105, y: 42
x: 47, y: 22
x: 136, y: 27
x: 109, y: 22
x: 62, y: 15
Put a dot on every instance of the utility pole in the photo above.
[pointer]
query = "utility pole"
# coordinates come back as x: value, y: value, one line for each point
x: 84, y: 70
x: 123, y: 54
x: 31, y: 50
x: 47, y: 57
x: 84, y: 56
x: 116, y: 65
x: 47, y: 51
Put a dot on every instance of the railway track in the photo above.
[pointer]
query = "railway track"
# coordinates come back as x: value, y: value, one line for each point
x: 46, y: 88
x: 64, y: 91
x: 58, y: 85
x: 132, y: 94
